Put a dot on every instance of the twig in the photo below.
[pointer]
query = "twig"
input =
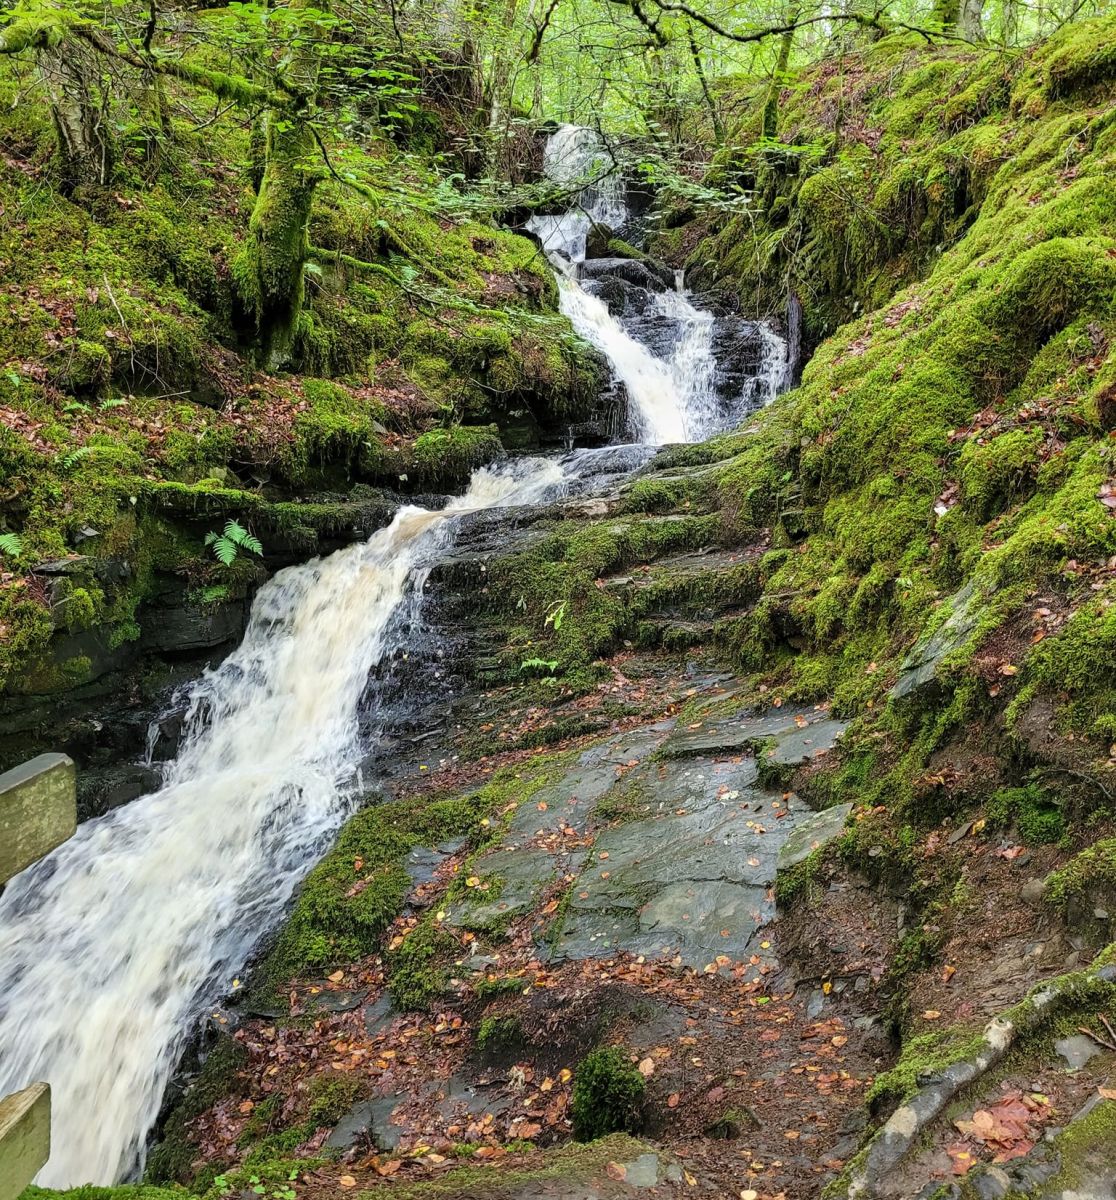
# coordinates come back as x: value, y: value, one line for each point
x: 1096, y: 1037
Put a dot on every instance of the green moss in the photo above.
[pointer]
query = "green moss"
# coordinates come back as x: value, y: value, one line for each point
x: 416, y: 976
x: 800, y: 883
x: 331, y: 1097
x: 921, y: 1058
x: 607, y: 1095
x: 1090, y: 873
x: 172, y: 1159
x: 499, y: 1032
x: 1031, y: 810
x: 350, y: 898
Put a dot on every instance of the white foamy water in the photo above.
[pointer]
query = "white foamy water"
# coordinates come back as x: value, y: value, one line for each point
x: 108, y: 944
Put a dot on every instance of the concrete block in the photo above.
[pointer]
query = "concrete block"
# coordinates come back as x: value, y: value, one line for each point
x: 38, y: 811
x: 24, y: 1138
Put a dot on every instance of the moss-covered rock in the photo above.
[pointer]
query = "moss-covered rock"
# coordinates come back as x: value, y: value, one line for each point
x: 607, y: 1095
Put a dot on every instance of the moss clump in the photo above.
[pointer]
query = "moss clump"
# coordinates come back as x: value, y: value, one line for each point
x: 607, y: 1095
x: 800, y: 883
x: 499, y: 1032
x: 1092, y: 873
x: 921, y: 1057
x: 331, y: 1097
x: 354, y: 893
x: 416, y: 976
x: 1031, y: 810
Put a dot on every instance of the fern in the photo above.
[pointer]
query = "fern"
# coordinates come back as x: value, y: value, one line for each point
x: 11, y: 543
x: 539, y: 664
x: 76, y: 456
x: 228, y: 545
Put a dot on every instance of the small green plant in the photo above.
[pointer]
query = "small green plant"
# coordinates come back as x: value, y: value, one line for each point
x: 556, y: 614
x: 549, y: 665
x: 1033, y: 812
x: 607, y: 1095
x: 11, y: 543
x: 283, y: 1190
x: 228, y: 545
x: 75, y: 456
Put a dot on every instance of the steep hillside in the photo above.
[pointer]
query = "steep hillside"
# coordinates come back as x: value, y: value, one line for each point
x: 134, y: 420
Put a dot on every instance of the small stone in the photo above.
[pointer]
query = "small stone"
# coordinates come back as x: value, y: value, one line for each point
x: 1076, y: 1050
x: 1031, y: 893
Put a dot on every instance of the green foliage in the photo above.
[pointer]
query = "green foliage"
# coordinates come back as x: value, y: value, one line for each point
x: 415, y: 977
x: 228, y: 545
x: 607, y: 1095
x: 11, y: 544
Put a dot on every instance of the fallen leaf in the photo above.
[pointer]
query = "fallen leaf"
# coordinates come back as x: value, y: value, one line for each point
x: 647, y: 1067
x: 962, y: 1159
x: 674, y: 1097
x: 347, y: 1181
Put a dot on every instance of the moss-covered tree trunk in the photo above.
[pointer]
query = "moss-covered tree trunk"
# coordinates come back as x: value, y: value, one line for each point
x: 270, y: 269
x: 85, y: 150
x: 771, y: 106
x: 945, y: 13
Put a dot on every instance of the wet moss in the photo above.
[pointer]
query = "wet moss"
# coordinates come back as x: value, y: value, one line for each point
x: 608, y: 1094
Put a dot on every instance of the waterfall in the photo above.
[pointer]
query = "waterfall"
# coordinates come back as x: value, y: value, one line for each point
x: 108, y: 944
x: 673, y: 396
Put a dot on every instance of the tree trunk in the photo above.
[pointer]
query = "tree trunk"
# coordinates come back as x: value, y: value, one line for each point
x: 771, y: 107
x: 270, y: 270
x: 945, y: 14
x: 85, y: 153
x: 969, y: 22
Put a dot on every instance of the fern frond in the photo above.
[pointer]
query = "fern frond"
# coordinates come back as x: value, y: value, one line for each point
x: 11, y: 543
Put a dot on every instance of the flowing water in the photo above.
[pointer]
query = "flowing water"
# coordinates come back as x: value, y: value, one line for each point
x: 672, y: 396
x: 110, y: 945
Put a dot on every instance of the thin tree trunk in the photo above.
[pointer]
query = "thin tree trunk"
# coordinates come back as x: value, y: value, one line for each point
x: 771, y: 107
x: 969, y: 22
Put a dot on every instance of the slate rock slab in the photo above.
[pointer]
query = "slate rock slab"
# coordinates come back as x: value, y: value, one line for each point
x: 811, y: 833
x: 741, y: 732
x: 692, y: 881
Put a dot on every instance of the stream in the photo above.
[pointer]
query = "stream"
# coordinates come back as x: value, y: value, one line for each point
x: 111, y: 946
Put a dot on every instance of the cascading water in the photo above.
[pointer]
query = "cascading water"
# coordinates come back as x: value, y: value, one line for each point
x: 672, y: 395
x: 109, y: 945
